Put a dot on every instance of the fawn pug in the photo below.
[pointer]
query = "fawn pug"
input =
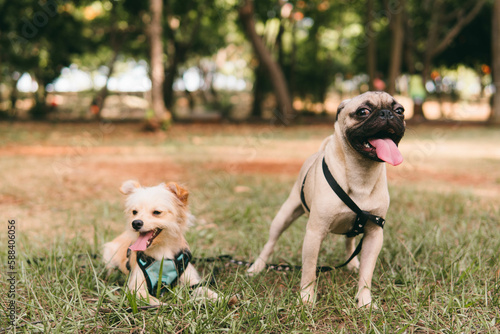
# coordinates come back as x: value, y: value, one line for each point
x: 158, y: 217
x: 367, y: 132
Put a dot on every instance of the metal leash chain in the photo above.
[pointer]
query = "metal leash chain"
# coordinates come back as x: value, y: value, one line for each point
x: 222, y: 258
x: 275, y: 267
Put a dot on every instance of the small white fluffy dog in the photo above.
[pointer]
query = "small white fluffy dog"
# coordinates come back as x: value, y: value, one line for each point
x: 158, y: 217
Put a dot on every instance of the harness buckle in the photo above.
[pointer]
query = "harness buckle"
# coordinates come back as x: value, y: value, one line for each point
x: 359, y: 224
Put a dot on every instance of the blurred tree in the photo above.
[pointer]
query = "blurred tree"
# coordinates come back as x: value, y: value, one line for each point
x: 161, y: 116
x: 439, y: 36
x: 371, y: 49
x: 274, y: 71
x: 320, y: 45
x: 117, y: 29
x: 193, y: 28
x: 312, y: 41
x: 435, y: 25
x: 300, y: 46
x: 495, y: 110
x: 396, y: 25
x: 39, y: 39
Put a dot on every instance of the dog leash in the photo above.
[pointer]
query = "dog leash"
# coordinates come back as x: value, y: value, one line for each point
x: 361, y: 216
x: 282, y: 267
x: 276, y: 267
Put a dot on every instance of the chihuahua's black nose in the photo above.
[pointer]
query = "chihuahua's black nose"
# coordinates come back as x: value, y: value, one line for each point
x: 137, y: 224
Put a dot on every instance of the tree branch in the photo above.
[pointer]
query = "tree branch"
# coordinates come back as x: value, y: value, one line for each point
x: 461, y: 23
x: 275, y: 73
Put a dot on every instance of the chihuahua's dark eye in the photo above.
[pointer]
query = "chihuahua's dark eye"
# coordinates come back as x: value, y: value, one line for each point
x: 399, y: 111
x: 156, y: 213
x: 363, y: 112
x: 134, y: 212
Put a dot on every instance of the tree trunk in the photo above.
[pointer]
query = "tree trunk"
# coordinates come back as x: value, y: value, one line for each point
x: 160, y: 112
x: 274, y: 72
x: 177, y: 51
x: 495, y: 110
x: 99, y: 99
x: 409, y: 49
x: 101, y: 96
x: 435, y: 45
x: 14, y: 93
x: 397, y: 29
x: 170, y: 75
x: 371, y: 51
x: 293, y: 58
x: 258, y: 92
x: 432, y: 39
x: 40, y: 110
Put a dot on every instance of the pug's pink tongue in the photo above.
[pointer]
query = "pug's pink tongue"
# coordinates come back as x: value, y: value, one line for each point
x: 387, y: 150
x: 142, y: 242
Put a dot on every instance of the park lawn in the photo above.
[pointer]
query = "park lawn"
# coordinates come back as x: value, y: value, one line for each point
x: 438, y: 271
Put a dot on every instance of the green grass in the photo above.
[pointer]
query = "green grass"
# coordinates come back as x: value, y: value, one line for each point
x: 438, y: 271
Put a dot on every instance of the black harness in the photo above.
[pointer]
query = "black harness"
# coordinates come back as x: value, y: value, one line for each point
x: 361, y: 216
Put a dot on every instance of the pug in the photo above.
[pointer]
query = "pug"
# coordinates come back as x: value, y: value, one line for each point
x: 366, y: 134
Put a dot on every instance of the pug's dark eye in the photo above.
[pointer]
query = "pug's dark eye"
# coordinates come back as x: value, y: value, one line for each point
x: 399, y: 111
x: 134, y: 212
x: 363, y: 112
x: 156, y: 213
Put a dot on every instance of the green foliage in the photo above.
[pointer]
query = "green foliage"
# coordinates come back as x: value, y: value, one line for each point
x: 39, y: 38
x: 315, y: 42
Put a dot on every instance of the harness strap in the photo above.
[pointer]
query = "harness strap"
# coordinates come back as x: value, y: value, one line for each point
x: 172, y: 269
x: 356, y: 252
x: 338, y: 189
x: 302, y: 196
x: 361, y: 216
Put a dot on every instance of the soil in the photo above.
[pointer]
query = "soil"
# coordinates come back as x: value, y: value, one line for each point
x: 49, y: 186
x: 166, y: 169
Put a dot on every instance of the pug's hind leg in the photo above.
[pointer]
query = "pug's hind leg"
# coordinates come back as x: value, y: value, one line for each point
x: 288, y: 213
x: 349, y: 248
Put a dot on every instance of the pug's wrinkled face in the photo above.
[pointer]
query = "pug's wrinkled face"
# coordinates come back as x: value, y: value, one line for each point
x: 373, y: 125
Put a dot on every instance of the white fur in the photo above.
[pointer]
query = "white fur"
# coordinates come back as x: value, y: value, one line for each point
x: 162, y: 206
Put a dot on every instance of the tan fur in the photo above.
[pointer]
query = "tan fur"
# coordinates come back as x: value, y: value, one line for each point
x: 364, y: 180
x: 181, y: 193
x: 172, y: 201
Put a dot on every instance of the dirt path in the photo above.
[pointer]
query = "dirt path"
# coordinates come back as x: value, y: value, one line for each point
x: 119, y: 162
x: 58, y: 177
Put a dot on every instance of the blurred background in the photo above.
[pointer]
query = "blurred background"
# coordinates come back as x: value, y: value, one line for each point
x: 246, y: 61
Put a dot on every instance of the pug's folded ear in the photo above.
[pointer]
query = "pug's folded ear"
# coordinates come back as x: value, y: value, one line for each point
x: 340, y: 107
x: 129, y: 187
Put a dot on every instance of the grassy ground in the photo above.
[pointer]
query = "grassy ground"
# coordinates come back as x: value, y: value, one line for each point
x: 438, y: 271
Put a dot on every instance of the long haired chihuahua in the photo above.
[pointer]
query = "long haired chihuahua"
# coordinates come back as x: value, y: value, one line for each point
x: 153, y: 249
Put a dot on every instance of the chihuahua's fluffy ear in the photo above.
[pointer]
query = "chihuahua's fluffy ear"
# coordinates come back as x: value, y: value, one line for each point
x: 181, y: 193
x: 129, y: 187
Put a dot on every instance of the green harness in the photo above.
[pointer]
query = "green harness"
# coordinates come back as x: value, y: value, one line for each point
x: 171, y: 271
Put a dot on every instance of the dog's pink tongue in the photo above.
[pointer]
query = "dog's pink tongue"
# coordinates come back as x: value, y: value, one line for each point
x: 387, y: 150
x: 142, y: 242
